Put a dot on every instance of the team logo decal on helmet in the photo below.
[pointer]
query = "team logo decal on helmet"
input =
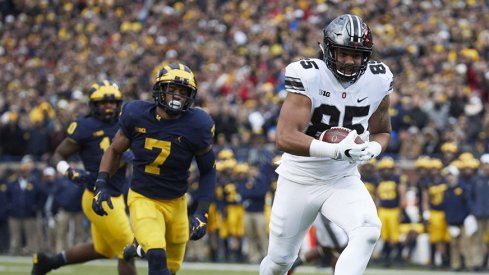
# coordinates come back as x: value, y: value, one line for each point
x: 174, y: 75
x: 347, y: 32
x: 105, y: 91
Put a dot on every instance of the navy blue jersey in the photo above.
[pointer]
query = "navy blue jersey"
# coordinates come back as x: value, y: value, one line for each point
x: 94, y: 137
x: 388, y: 191
x: 164, y: 149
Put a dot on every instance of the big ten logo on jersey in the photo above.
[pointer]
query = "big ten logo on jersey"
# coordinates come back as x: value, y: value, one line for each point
x: 328, y: 94
x: 324, y: 93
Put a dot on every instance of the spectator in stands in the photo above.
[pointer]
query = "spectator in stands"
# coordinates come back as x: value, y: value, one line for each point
x: 12, y: 137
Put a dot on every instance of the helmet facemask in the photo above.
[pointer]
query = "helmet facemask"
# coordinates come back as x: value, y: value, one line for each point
x: 342, y: 71
x: 102, y: 92
x: 172, y: 101
x: 105, y: 114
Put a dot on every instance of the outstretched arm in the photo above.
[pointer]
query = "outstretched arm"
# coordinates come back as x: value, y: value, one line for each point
x: 65, y: 149
x: 63, y: 152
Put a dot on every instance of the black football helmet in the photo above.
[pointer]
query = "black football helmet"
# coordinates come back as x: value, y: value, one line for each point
x: 179, y: 75
x: 101, y: 92
x: 347, y: 32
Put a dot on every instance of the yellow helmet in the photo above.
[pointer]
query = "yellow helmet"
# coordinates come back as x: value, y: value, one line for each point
x: 174, y: 74
x: 219, y: 165
x: 225, y: 154
x: 466, y: 156
x: 436, y: 164
x: 449, y: 147
x: 422, y: 162
x: 102, y: 92
x: 241, y: 168
x: 229, y: 163
x: 457, y: 163
x: 386, y: 163
x: 472, y: 163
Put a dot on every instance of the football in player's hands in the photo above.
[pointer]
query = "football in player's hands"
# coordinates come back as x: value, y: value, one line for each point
x: 337, y: 134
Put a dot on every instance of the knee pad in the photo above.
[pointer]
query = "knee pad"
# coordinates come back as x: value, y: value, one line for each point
x: 370, y: 233
x: 157, y: 262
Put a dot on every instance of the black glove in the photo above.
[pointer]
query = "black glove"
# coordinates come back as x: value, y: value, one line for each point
x: 78, y: 176
x: 198, y: 226
x: 101, y: 194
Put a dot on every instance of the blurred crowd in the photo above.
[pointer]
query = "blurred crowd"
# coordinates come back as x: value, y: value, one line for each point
x: 52, y: 50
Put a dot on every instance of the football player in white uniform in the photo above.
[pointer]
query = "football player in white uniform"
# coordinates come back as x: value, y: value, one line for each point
x: 331, y: 240
x: 341, y: 88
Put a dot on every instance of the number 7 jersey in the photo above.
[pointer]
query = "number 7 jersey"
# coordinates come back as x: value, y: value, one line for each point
x: 332, y: 105
x: 164, y: 149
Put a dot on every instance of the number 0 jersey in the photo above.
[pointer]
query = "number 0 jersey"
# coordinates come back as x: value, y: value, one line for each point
x: 332, y: 105
x: 164, y: 149
x: 94, y: 137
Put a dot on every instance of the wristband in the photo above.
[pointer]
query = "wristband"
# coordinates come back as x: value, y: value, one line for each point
x: 323, y: 149
x: 203, y: 207
x: 103, y: 177
x: 62, y: 167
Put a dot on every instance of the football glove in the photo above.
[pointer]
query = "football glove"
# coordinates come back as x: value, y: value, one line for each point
x: 101, y: 195
x: 78, y: 176
x: 198, y: 226
x: 372, y: 150
x: 347, y: 145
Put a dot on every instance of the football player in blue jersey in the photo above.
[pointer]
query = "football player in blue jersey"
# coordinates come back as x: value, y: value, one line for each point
x: 165, y: 136
x: 89, y: 137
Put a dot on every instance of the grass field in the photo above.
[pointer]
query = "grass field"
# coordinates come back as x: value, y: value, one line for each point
x: 22, y: 265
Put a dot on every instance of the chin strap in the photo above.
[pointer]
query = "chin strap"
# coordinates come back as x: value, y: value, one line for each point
x: 321, y: 47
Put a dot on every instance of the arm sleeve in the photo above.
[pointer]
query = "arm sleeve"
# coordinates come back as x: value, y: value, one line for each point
x: 205, y: 129
x: 125, y: 121
x: 207, y: 179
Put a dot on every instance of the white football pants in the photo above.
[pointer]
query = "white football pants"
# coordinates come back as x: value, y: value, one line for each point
x: 346, y: 202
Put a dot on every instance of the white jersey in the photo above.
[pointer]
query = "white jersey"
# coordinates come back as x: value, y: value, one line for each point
x: 332, y: 105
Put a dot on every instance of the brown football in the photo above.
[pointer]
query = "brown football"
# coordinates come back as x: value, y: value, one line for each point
x: 336, y: 135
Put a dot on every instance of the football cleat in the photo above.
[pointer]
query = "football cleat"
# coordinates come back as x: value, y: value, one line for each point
x: 41, y: 264
x: 132, y: 251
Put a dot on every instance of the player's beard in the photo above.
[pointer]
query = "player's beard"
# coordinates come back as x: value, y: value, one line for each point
x: 347, y: 70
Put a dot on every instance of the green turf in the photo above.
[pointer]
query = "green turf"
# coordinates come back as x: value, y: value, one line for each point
x: 22, y: 265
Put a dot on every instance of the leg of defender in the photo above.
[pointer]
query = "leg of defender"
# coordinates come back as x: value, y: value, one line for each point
x: 157, y: 262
